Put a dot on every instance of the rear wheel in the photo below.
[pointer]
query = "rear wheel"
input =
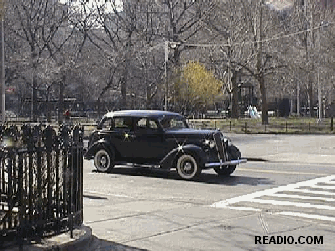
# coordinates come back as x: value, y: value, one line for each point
x: 104, y: 160
x: 188, y: 167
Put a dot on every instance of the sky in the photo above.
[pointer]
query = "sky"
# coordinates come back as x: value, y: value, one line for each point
x: 280, y: 4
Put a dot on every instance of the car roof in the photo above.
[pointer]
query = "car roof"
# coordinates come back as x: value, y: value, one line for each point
x: 141, y: 113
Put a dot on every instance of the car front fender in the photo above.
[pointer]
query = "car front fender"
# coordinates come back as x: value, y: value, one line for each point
x: 96, y: 145
x: 169, y: 160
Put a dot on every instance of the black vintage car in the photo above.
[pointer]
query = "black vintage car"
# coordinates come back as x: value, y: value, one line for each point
x: 161, y: 139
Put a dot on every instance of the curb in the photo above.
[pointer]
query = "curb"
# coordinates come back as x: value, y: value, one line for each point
x: 77, y: 244
x: 256, y: 159
x: 63, y: 242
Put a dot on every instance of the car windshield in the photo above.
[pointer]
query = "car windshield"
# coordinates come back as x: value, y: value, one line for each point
x: 173, y: 122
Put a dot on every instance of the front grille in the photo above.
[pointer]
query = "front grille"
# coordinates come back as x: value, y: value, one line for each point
x: 219, y: 146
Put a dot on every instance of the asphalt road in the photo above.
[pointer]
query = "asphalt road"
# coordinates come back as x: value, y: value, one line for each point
x: 147, y: 209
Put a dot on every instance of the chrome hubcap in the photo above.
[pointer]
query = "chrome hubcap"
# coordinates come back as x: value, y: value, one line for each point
x: 103, y: 160
x: 188, y: 166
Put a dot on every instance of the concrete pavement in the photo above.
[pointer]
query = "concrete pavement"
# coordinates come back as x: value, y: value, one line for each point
x: 190, y: 227
x: 196, y: 228
x: 186, y: 226
x: 309, y: 149
x: 182, y: 225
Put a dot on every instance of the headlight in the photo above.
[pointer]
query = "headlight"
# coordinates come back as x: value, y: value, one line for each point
x: 210, y: 143
x: 227, y: 141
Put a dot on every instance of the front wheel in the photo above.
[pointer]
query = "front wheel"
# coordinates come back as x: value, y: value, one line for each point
x: 188, y: 167
x: 225, y: 170
x: 233, y: 154
x: 104, y: 160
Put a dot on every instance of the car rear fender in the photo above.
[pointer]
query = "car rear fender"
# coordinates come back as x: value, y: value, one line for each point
x: 102, y: 143
x: 171, y: 158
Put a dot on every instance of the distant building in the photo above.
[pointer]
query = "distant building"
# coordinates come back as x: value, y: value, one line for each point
x: 328, y: 3
x: 107, y: 5
x: 288, y: 4
x: 280, y: 4
x: 89, y: 11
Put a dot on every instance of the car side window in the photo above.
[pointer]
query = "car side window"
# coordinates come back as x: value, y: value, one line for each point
x: 123, y: 123
x: 153, y: 125
x: 146, y: 124
x: 107, y: 124
x: 141, y: 124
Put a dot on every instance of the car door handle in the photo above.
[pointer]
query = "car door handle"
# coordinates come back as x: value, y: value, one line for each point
x: 129, y: 136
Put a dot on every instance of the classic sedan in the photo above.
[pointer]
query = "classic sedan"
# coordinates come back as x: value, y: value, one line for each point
x: 160, y: 139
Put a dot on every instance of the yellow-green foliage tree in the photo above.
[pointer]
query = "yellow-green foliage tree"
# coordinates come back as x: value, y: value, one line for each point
x: 197, y: 87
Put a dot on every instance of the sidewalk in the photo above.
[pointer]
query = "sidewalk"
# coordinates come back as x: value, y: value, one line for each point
x: 309, y: 149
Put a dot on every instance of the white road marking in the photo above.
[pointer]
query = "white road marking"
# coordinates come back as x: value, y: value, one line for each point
x: 312, y: 192
x: 246, y: 209
x: 295, y: 204
x: 309, y: 216
x: 106, y: 194
x: 278, y: 172
x: 302, y: 197
x: 279, y: 192
x: 323, y: 187
x: 289, y: 187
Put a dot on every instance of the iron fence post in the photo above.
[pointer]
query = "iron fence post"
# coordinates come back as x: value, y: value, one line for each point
x: 331, y: 124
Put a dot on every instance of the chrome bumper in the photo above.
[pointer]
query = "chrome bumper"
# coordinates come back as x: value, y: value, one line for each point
x: 226, y: 163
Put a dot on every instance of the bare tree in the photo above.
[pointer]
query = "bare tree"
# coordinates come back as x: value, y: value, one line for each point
x: 38, y: 28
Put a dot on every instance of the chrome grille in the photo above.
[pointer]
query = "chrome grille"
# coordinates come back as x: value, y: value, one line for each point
x: 219, y: 146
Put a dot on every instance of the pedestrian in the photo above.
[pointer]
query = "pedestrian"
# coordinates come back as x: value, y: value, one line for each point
x: 67, y: 115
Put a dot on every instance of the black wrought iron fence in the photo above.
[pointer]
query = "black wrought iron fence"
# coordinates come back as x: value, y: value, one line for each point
x: 276, y: 125
x: 41, y: 181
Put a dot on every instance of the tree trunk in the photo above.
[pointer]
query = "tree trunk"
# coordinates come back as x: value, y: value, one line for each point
x: 48, y: 104
x: 148, y: 97
x: 310, y: 97
x: 34, y: 98
x: 260, y: 74
x: 235, y: 107
x: 265, y: 117
x: 34, y: 89
x: 99, y: 108
x: 124, y: 91
x: 61, y: 100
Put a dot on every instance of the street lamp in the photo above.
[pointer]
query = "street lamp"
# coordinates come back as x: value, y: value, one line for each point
x: 166, y: 49
x: 2, y: 53
x: 173, y: 46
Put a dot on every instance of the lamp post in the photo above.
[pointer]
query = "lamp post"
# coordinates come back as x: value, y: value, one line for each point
x: 2, y: 55
x: 167, y: 45
x: 166, y: 49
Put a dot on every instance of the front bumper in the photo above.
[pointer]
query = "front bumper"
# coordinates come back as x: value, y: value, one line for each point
x: 226, y: 163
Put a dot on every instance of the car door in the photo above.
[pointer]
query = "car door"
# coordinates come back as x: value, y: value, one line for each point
x: 122, y: 136
x: 149, y: 140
